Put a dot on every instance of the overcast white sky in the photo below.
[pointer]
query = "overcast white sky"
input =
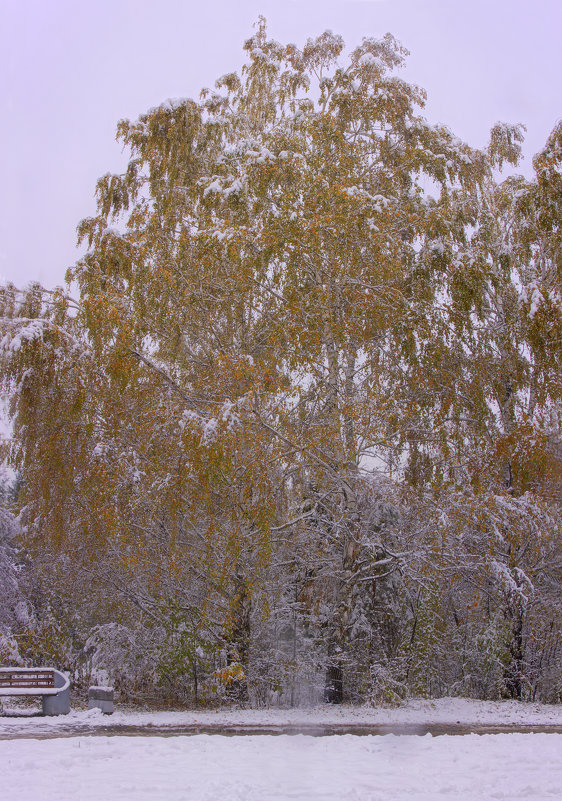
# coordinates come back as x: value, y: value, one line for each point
x: 70, y: 69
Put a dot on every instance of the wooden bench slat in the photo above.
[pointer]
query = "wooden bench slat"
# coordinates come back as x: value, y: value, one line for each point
x: 27, y: 677
x: 27, y: 684
x: 24, y: 676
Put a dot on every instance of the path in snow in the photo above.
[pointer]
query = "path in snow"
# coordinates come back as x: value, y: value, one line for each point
x: 84, y: 729
x: 440, y: 716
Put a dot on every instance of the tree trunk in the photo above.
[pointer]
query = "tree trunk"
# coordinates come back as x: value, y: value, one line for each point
x: 333, y: 688
x: 238, y: 645
x: 513, y: 673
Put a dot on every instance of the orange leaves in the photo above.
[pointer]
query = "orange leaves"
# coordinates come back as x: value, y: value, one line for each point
x: 534, y: 462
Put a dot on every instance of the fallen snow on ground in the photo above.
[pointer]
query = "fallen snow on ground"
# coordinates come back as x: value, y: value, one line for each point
x: 444, y: 710
x: 261, y: 768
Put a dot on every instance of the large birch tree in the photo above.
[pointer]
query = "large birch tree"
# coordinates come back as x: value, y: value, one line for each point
x: 295, y: 313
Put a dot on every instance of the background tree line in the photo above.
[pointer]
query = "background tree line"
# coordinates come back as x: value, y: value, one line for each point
x: 292, y: 430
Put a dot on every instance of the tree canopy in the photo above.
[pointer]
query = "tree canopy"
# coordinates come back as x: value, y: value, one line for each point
x: 297, y: 412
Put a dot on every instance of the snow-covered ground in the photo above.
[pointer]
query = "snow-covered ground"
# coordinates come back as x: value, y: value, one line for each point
x: 204, y: 767
x: 261, y: 768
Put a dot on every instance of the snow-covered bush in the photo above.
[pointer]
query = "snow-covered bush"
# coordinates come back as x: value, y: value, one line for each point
x: 125, y: 656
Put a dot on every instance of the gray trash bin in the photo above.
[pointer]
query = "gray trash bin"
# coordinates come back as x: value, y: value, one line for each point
x: 101, y: 698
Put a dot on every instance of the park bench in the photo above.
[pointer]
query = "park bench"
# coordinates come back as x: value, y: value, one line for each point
x: 52, y: 685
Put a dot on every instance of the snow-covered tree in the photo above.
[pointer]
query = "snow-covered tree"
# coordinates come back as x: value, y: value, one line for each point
x: 305, y: 374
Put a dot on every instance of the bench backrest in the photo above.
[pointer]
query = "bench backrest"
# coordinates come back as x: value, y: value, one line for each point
x: 43, y: 679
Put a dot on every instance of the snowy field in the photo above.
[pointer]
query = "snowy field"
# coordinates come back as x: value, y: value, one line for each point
x: 205, y: 767
x: 261, y: 768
